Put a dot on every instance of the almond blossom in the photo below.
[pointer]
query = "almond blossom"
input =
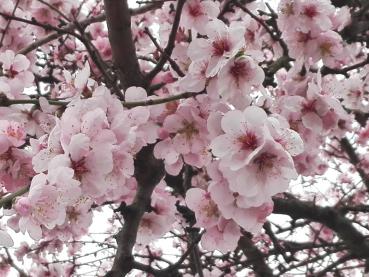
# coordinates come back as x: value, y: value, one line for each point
x: 224, y: 42
x: 196, y: 14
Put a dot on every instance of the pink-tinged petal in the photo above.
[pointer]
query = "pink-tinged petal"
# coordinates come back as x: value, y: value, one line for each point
x: 213, y: 124
x: 211, y: 8
x: 222, y: 238
x: 174, y: 169
x: 5, y: 239
x: 313, y: 122
x: 220, y: 193
x: 94, y: 185
x: 223, y: 145
x: 82, y: 77
x: 41, y: 159
x: 292, y: 142
x: 199, y: 49
x: 79, y: 146
x: 20, y: 63
x: 4, y: 144
x: 133, y: 94
x: 100, y: 160
x: 7, y: 58
x: 171, y: 157
x: 232, y: 122
x: 215, y: 64
x: 206, y: 211
x: 194, y: 197
x: 29, y: 225
x: 93, y: 121
x: 139, y: 115
x: 104, y: 137
x: 173, y: 123
x: 61, y: 160
x: 247, y: 184
x: 45, y: 105
x: 181, y: 144
x: 216, y: 29
x: 255, y: 115
x: 192, y: 83
x: 4, y: 86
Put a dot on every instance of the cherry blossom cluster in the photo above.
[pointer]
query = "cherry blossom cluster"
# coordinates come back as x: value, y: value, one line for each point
x: 310, y: 29
x: 87, y: 158
x: 247, y: 100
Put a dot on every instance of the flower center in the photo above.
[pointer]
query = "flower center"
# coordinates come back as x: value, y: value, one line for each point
x: 79, y: 168
x: 310, y: 11
x: 195, y: 10
x: 265, y: 161
x: 220, y: 47
x: 188, y: 129
x: 325, y: 48
x: 239, y: 69
x: 248, y: 141
x: 288, y: 9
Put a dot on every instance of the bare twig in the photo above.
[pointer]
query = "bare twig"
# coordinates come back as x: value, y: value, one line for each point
x: 170, y: 45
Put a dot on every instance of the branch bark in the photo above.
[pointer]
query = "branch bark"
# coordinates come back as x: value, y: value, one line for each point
x: 256, y: 258
x: 118, y: 18
x: 328, y: 216
x: 148, y: 172
x: 70, y: 27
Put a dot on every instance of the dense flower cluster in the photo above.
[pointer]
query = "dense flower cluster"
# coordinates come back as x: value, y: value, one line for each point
x: 260, y: 106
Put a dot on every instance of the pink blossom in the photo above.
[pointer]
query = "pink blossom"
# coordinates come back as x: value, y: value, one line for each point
x: 239, y: 75
x: 223, y: 43
x: 196, y: 14
x: 206, y: 211
x: 13, y: 131
x: 244, y: 136
x: 46, y: 209
x: 222, y: 237
x: 267, y: 173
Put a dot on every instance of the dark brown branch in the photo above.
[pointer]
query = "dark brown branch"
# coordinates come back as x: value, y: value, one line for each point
x: 271, y: 32
x: 344, y: 71
x: 173, y: 64
x: 14, y: 265
x: 70, y: 27
x: 118, y: 19
x: 170, y: 45
x: 354, y: 160
x: 343, y: 227
x: 8, y: 24
x: 5, y: 102
x: 256, y: 258
x: 148, y: 172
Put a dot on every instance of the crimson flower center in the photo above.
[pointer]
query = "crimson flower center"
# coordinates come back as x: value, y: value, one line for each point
x: 195, y: 10
x: 265, y: 161
x: 188, y: 129
x: 79, y: 168
x: 308, y: 106
x: 239, y: 69
x: 248, y: 141
x: 14, y: 132
x: 310, y: 11
x: 221, y: 46
x: 325, y: 48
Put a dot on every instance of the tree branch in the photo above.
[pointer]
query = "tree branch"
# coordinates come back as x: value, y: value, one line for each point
x: 328, y: 216
x: 170, y: 45
x: 354, y: 160
x: 148, y: 172
x: 125, y: 60
x: 256, y: 258
x: 70, y: 27
x: 5, y: 102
